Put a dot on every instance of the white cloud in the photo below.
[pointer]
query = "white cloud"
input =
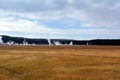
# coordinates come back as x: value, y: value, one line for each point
x: 35, y: 29
x: 24, y: 26
x: 93, y: 13
x: 101, y: 17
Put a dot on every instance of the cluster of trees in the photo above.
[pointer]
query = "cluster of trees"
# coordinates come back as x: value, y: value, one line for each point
x: 61, y: 42
x: 105, y: 42
x: 27, y: 41
x: 23, y: 41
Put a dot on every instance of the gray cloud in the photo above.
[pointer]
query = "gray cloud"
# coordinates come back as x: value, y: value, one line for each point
x: 89, y: 12
x: 100, y: 14
x: 33, y: 5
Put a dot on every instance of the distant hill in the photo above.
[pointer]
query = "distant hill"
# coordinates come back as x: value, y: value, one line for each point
x: 8, y: 40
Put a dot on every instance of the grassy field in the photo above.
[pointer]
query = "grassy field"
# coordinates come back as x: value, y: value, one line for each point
x: 59, y: 63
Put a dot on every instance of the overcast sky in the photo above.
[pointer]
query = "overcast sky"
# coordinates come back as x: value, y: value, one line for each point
x: 70, y: 19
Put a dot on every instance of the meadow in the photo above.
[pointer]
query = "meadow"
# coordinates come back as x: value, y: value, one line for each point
x: 59, y: 62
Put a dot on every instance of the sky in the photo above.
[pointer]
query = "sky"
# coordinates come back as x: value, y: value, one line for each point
x: 66, y: 19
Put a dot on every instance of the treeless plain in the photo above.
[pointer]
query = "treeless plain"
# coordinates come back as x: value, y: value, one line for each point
x: 59, y: 62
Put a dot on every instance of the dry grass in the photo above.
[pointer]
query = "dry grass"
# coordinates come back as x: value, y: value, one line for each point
x: 59, y: 63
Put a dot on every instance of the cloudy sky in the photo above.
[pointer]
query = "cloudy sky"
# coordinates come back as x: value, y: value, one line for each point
x: 71, y: 19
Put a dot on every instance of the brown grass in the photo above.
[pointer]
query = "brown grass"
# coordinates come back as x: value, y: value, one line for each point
x: 59, y: 63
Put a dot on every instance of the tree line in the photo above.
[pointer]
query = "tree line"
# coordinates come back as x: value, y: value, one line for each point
x: 29, y: 41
